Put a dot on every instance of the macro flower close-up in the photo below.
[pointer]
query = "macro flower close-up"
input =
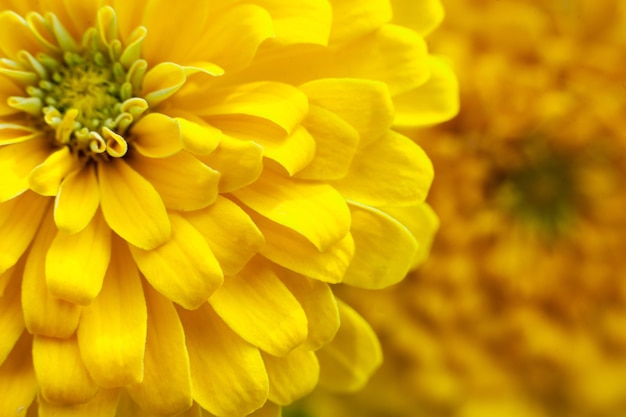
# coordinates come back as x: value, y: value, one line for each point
x: 181, y: 186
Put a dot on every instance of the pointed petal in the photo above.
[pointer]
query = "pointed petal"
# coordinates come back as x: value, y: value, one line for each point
x: 11, y: 133
x: 351, y: 358
x: 166, y: 355
x: 183, y: 182
x: 319, y: 305
x: 228, y: 375
x: 184, y: 268
x: 112, y: 331
x: 18, y: 382
x: 104, y: 404
x: 45, y: 314
x: 292, y: 376
x: 11, y: 320
x: 76, y: 264
x: 392, y: 171
x: 232, y: 236
x: 314, y: 210
x: 131, y: 205
x: 157, y: 136
x: 45, y: 179
x: 162, y: 81
x: 77, y: 200
x: 61, y: 372
x: 258, y: 307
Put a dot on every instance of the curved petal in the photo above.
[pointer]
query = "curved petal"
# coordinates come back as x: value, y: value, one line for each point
x: 351, y: 20
x: 61, y: 372
x: 15, y: 35
x: 104, y: 404
x: 422, y: 16
x: 157, y: 136
x: 292, y: 376
x: 183, y: 182
x: 162, y: 81
x: 166, y: 355
x: 315, y: 210
x: 347, y: 362
x: 18, y: 382
x: 11, y: 320
x: 8, y: 89
x: 199, y: 138
x: 16, y: 163
x: 112, y: 330
x: 46, y: 178
x: 384, y: 249
x: 300, y: 21
x: 184, y: 268
x: 393, y: 171
x: 259, y: 308
x: 131, y: 206
x: 227, y: 374
x: 76, y: 264
x: 77, y: 200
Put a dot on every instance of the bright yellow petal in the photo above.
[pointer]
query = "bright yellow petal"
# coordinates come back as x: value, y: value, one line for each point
x: 183, y: 182
x: 112, y: 330
x: 131, y: 205
x: 319, y: 305
x: 291, y: 377
x: 299, y: 21
x: 199, y: 138
x: 166, y: 385
x: 232, y: 236
x: 239, y: 163
x: 351, y: 20
x: 336, y: 142
x: 45, y: 314
x: 15, y: 35
x: 328, y: 266
x: 384, y: 249
x: 228, y: 375
x: 157, y: 136
x: 11, y: 320
x: 8, y: 89
x: 347, y: 362
x: 104, y: 404
x: 18, y: 382
x: 46, y: 178
x: 162, y: 81
x: 392, y: 171
x: 184, y: 268
x: 76, y: 264
x: 11, y: 133
x: 422, y: 16
x: 61, y: 372
x: 16, y: 163
x: 259, y: 308
x: 365, y: 105
x: 316, y: 211
x: 433, y: 102
x: 77, y: 200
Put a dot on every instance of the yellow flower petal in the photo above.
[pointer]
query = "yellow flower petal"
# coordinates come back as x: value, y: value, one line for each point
x: 46, y: 178
x: 384, y: 249
x: 269, y: 409
x: 232, y: 236
x: 61, y: 372
x: 259, y: 308
x: 15, y: 35
x: 184, y: 268
x: 365, y: 105
x: 11, y: 320
x: 315, y: 210
x: 11, y: 133
x: 336, y: 142
x: 76, y: 264
x: 392, y: 171
x: 228, y: 375
x: 156, y: 136
x: 16, y: 163
x: 198, y: 138
x: 18, y: 382
x: 292, y: 376
x: 351, y: 20
x: 112, y: 330
x: 319, y: 305
x: 349, y: 360
x: 131, y: 206
x: 8, y: 89
x: 162, y: 81
x: 239, y: 163
x: 166, y: 385
x: 45, y: 314
x: 422, y: 16
x: 104, y: 404
x: 433, y: 102
x: 77, y: 200
x: 183, y: 182
x: 328, y: 266
x: 300, y: 21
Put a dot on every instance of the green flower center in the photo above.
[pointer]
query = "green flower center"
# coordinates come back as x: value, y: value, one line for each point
x: 87, y: 93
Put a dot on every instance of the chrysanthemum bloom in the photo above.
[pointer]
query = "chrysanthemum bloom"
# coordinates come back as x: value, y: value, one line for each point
x: 520, y: 310
x: 180, y: 183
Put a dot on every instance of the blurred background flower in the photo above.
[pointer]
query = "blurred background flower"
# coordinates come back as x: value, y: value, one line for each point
x: 521, y: 308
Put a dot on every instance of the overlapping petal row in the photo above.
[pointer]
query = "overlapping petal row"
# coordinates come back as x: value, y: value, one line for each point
x: 180, y: 182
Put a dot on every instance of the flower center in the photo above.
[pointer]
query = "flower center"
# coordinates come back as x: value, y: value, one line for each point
x: 87, y: 93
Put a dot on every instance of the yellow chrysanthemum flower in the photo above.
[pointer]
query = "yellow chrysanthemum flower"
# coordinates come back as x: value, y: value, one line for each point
x: 180, y: 183
x: 520, y: 310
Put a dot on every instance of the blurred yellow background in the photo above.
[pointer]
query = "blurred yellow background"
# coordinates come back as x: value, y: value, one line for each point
x: 521, y: 308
